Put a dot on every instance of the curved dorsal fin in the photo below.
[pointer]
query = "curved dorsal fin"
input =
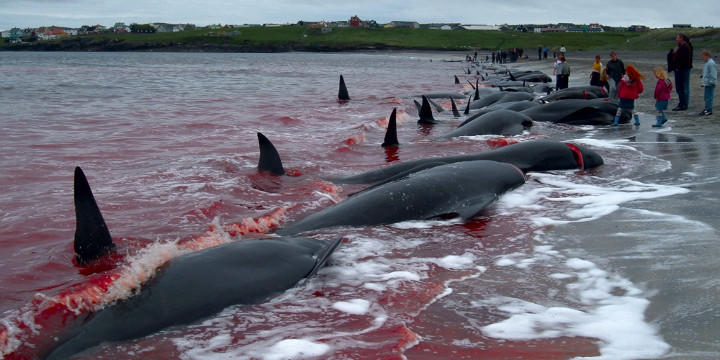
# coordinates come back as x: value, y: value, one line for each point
x: 426, y: 116
x: 391, y: 133
x: 269, y: 157
x: 437, y: 106
x: 467, y: 108
x: 455, y: 111
x: 92, y: 237
x: 343, y: 92
x: 457, y: 81
x: 477, y: 89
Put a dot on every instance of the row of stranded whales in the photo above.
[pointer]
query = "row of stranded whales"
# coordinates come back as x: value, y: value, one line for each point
x: 577, y: 112
x: 251, y: 271
x: 190, y: 287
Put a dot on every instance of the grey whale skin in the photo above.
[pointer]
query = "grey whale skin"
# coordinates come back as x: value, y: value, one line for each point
x: 189, y: 287
x: 537, y: 155
x: 463, y: 188
x: 200, y: 284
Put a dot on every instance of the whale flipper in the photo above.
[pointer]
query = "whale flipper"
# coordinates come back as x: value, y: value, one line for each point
x: 92, y: 237
x: 391, y: 133
x: 455, y: 111
x: 343, y: 92
x: 426, y: 116
x: 476, y: 205
x: 269, y: 157
x: 322, y: 256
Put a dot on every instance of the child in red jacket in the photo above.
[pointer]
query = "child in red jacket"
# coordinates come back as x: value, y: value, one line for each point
x: 629, y: 89
x: 663, y: 89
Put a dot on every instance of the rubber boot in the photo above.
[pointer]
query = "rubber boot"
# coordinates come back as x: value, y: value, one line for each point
x: 664, y: 119
x: 616, y: 121
x: 659, y: 122
x: 637, y: 119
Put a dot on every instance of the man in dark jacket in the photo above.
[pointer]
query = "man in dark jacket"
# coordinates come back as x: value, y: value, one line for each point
x: 680, y: 61
x: 615, y: 71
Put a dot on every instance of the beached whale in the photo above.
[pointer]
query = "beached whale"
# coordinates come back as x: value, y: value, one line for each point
x: 500, y: 97
x: 463, y: 189
x: 498, y: 122
x: 537, y: 155
x: 514, y: 106
x: 199, y: 284
x: 578, y: 92
x: 577, y: 112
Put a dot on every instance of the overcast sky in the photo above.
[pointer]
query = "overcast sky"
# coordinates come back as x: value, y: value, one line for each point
x: 74, y: 13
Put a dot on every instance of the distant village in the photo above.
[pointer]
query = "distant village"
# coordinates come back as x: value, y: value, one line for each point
x: 17, y: 35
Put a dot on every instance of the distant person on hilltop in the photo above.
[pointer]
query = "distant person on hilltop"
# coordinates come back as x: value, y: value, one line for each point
x: 663, y: 90
x: 709, y: 81
x: 595, y: 72
x: 615, y: 70
x: 629, y: 89
x: 679, y: 60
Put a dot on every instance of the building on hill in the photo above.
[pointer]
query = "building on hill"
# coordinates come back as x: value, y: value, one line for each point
x: 479, y: 27
x: 403, y: 24
x: 356, y: 22
x: 638, y: 28
x: 682, y: 26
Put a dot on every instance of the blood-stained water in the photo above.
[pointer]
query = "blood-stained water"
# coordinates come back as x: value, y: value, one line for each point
x: 168, y: 142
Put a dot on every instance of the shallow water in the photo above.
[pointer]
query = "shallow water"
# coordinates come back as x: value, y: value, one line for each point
x: 616, y: 263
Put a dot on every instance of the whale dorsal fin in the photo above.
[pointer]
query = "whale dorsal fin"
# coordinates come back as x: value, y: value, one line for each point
x: 457, y: 81
x: 426, y: 116
x: 437, y: 107
x: 92, y: 237
x: 455, y: 111
x: 269, y: 157
x: 343, y: 92
x: 467, y: 108
x: 391, y: 133
x: 477, y: 89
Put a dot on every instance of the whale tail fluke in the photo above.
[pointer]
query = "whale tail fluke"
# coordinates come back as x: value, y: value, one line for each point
x: 269, y: 157
x: 343, y: 92
x: 92, y: 237
x: 391, y: 133
x: 455, y: 111
x: 467, y: 108
x: 426, y: 116
x: 322, y: 256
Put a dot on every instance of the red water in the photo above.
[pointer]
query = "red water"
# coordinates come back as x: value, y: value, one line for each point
x: 168, y: 142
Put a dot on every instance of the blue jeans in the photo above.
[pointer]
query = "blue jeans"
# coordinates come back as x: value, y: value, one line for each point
x: 709, y: 94
x: 682, y: 86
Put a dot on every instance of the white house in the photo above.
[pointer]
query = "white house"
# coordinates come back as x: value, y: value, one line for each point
x: 480, y: 27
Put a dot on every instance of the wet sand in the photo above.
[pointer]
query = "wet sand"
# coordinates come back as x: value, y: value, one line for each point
x: 669, y: 245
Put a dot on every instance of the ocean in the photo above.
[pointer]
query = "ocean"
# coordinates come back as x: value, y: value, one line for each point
x: 618, y: 262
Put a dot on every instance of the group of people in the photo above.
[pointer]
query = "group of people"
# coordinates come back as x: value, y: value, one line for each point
x: 625, y: 83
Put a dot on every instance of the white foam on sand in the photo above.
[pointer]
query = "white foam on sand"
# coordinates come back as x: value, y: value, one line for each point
x: 295, y: 349
x: 611, y: 310
x: 353, y: 306
x: 581, y: 202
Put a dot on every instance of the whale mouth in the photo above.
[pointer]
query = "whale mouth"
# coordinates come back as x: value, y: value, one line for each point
x: 578, y: 156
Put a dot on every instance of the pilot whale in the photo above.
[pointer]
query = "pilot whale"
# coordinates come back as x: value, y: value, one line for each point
x: 537, y: 155
x: 498, y: 122
x: 463, y: 189
x: 199, y: 284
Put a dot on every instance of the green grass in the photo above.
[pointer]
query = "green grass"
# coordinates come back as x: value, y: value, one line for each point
x: 353, y: 38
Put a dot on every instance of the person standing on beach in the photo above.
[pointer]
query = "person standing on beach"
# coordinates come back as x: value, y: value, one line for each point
x: 615, y: 70
x: 545, y: 52
x: 629, y: 88
x: 680, y: 61
x: 540, y: 52
x: 595, y: 73
x: 563, y: 74
x: 562, y: 50
x: 709, y: 81
x: 663, y: 90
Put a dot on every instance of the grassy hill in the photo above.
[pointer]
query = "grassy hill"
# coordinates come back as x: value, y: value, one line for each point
x: 299, y: 38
